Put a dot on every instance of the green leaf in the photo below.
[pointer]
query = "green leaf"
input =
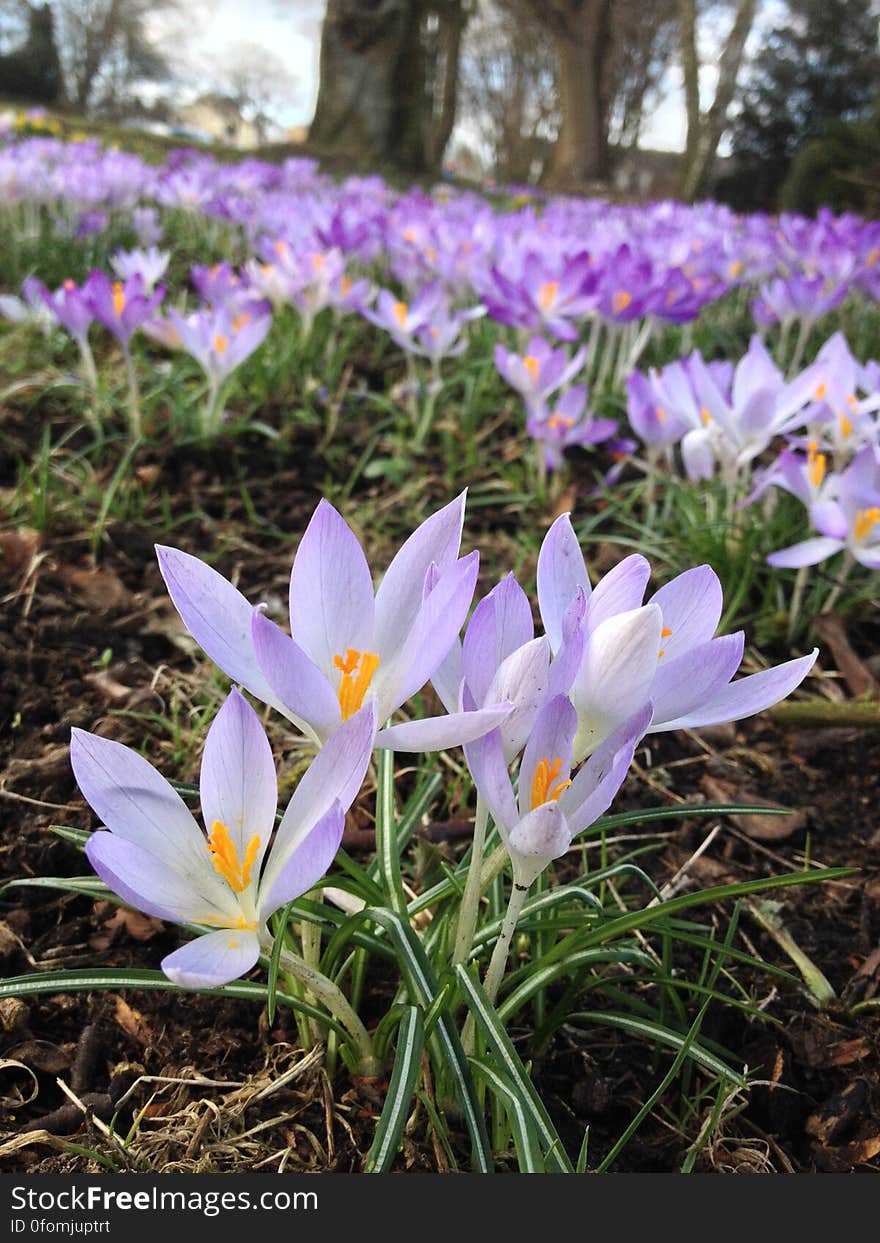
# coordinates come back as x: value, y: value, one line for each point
x: 525, y: 1137
x: 410, y: 1042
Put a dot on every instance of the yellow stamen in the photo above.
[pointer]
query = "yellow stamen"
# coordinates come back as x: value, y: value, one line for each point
x: 821, y: 390
x: 224, y: 856
x: 267, y: 269
x: 705, y: 416
x: 547, y: 294
x: 816, y: 463
x: 735, y: 268
x: 866, y: 520
x: 532, y: 366
x: 665, y: 632
x: 401, y: 311
x: 357, y: 670
x: 221, y: 343
x: 662, y: 651
x: 233, y: 945
x: 547, y: 785
x: 846, y: 426
x: 559, y: 420
x: 661, y: 415
x: 318, y: 262
x: 240, y: 320
x: 873, y: 256
x: 620, y: 301
x: 280, y: 247
x: 409, y: 235
x: 118, y: 298
x: 346, y: 286
x: 431, y: 254
x: 69, y: 284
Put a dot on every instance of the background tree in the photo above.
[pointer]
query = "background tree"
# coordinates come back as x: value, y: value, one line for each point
x: 383, y: 64
x: 820, y: 68
x: 32, y: 69
x: 256, y: 79
x: 706, y: 125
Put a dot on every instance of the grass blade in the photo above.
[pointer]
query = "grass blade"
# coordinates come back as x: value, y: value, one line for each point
x: 410, y: 1042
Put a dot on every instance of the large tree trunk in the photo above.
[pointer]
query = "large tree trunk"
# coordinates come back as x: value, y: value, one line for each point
x: 581, y: 34
x: 372, y: 97
x: 704, y: 130
x: 453, y: 20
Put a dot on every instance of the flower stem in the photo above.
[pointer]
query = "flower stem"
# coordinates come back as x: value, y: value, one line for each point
x: 331, y: 996
x: 134, y: 399
x: 498, y: 961
x: 470, y: 900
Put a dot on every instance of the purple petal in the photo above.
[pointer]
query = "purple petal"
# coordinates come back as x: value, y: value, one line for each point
x: 331, y: 591
x: 439, y: 733
x: 150, y: 885
x: 218, y: 617
x: 808, y: 552
x: 615, y: 678
x: 308, y: 862
x: 489, y: 770
x: 682, y: 684
x: 591, y: 793
x: 524, y: 681
x: 137, y: 804
x: 542, y: 834
x: 237, y: 784
x: 618, y: 591
x: 691, y: 606
x: 214, y: 959
x: 561, y: 572
x: 829, y: 520
x: 435, y: 629
x: 399, y: 596
x: 502, y: 622
x: 297, y: 681
x: 748, y: 696
x: 551, y: 740
x: 698, y: 455
x: 446, y: 678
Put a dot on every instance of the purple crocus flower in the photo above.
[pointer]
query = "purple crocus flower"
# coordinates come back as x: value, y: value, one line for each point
x: 850, y: 521
x: 30, y: 308
x: 539, y: 824
x: 401, y: 319
x: 663, y: 651
x: 149, y: 264
x: 569, y: 423
x: 548, y: 293
x: 218, y: 339
x: 351, y: 645
x: 540, y: 371
x: 121, y: 306
x: 147, y: 226
x: 227, y: 880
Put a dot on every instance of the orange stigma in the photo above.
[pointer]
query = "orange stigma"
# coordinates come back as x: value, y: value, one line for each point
x: 866, y: 520
x: 846, y: 426
x: 357, y: 669
x: 547, y: 785
x: 221, y: 343
x: 620, y: 301
x: 547, y: 294
x: 118, y: 297
x: 225, y: 858
x: 816, y: 463
x: 705, y: 416
x: 401, y: 311
x: 821, y: 390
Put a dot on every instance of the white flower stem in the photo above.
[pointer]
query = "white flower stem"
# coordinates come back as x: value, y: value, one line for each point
x: 134, y: 399
x: 498, y: 961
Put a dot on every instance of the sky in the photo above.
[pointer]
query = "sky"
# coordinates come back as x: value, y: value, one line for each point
x: 291, y: 31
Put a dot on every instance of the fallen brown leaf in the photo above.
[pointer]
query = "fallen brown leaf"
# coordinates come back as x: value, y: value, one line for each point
x: 18, y: 548
x: 768, y: 828
x: 99, y: 589
x: 132, y: 1021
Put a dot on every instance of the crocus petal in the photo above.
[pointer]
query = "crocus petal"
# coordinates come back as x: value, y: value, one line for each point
x: 138, y: 805
x: 542, y: 834
x: 567, y: 661
x: 591, y: 793
x: 698, y: 455
x: 446, y: 678
x: 148, y: 884
x: 551, y: 740
x: 618, y: 591
x: 335, y: 775
x: 562, y: 571
x: 680, y: 685
x: 218, y: 617
x: 488, y: 768
x: 399, y: 596
x: 747, y: 696
x: 691, y: 606
x: 808, y: 552
x: 308, y: 862
x: 829, y: 520
x: 406, y: 670
x: 331, y: 591
x: 615, y: 678
x: 214, y: 959
x: 296, y: 680
x: 237, y: 783
x: 523, y: 679
x: 439, y: 733
x: 501, y: 623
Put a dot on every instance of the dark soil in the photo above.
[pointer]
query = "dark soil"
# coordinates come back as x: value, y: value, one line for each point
x: 97, y: 644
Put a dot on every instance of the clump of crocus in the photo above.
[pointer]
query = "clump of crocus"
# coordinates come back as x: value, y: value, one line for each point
x: 227, y: 879
x: 219, y: 339
x: 123, y: 307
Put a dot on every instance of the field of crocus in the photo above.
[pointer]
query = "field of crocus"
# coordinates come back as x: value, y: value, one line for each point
x: 439, y: 701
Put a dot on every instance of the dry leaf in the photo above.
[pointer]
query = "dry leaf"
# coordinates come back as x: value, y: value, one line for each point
x: 761, y: 828
x: 18, y: 548
x: 139, y: 927
x: 132, y: 1021
x: 99, y: 589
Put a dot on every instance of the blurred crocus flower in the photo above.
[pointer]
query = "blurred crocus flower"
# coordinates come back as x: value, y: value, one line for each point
x: 350, y: 644
x: 218, y: 339
x: 568, y: 423
x: 227, y: 880
x: 663, y: 651
x: 850, y: 521
x: 538, y: 824
x: 547, y: 294
x: 403, y: 320
x: 122, y: 305
x: 149, y: 264
x: 71, y: 308
x: 30, y: 308
x: 540, y: 371
x: 147, y: 226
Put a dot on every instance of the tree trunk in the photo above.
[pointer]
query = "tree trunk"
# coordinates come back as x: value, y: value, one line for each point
x: 704, y: 130
x: 452, y: 23
x: 372, y: 97
x: 581, y: 38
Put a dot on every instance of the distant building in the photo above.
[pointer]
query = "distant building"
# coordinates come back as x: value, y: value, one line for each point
x: 219, y: 117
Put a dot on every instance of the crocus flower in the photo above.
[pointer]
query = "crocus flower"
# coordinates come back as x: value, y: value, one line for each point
x: 227, y: 880
x: 569, y: 423
x: 850, y: 521
x: 121, y: 306
x: 149, y: 264
x: 401, y: 319
x: 30, y: 308
x: 218, y: 339
x: 539, y: 824
x: 540, y: 371
x: 350, y: 644
x: 663, y: 651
